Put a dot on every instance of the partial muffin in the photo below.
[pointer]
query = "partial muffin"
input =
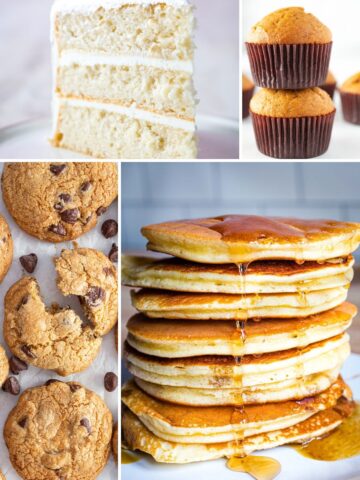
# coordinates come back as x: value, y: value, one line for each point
x: 330, y: 85
x: 58, y: 202
x: 59, y: 431
x: 289, y: 49
x: 350, y: 99
x: 248, y: 88
x: 292, y: 123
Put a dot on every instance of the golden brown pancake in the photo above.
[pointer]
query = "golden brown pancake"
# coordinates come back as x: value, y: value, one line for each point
x: 246, y: 238
x: 138, y: 437
x: 219, y: 424
x: 223, y: 306
x: 186, y: 338
x: 271, y: 276
x: 215, y: 371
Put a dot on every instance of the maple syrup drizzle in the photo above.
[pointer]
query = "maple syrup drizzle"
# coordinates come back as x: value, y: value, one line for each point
x: 260, y: 468
x: 127, y: 457
x: 343, y: 442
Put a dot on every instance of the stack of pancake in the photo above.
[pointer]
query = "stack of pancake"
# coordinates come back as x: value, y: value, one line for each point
x: 240, y: 338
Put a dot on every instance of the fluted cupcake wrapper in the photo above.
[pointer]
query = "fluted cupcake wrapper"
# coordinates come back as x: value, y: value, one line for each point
x: 329, y: 88
x: 289, y: 67
x: 246, y: 97
x: 304, y: 137
x: 351, y: 107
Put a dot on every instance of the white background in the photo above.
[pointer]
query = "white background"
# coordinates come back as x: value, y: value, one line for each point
x: 342, y: 17
x: 25, y: 74
x: 106, y: 361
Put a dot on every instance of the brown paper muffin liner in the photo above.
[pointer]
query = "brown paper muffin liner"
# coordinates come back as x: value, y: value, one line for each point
x: 329, y: 88
x: 289, y: 67
x: 351, y: 107
x: 246, y: 97
x: 303, y: 137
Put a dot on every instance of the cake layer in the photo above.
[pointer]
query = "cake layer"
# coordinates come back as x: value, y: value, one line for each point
x: 305, y: 386
x: 157, y: 30
x: 215, y: 371
x: 149, y: 87
x: 186, y: 424
x: 111, y: 131
x: 260, y: 277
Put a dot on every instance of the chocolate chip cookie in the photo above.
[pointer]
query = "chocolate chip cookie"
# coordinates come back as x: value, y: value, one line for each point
x: 58, y: 201
x: 6, y: 248
x: 53, y: 338
x: 60, y: 431
x: 4, y: 366
x: 91, y: 276
x: 115, y: 443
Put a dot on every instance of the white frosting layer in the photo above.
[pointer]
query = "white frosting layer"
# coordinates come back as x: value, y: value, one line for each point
x: 93, y: 5
x: 132, y: 112
x: 73, y: 57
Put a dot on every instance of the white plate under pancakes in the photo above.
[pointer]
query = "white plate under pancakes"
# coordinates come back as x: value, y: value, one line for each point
x: 293, y: 465
x: 218, y: 138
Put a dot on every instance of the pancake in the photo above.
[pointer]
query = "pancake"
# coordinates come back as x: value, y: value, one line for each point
x: 222, y: 306
x: 225, y: 372
x: 277, y: 276
x: 186, y: 338
x: 185, y: 424
x: 246, y: 238
x: 294, y: 388
x: 138, y: 437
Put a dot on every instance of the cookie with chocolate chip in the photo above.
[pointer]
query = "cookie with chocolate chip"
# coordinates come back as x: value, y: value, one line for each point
x: 53, y: 338
x: 115, y: 443
x: 59, y: 431
x: 6, y: 248
x: 58, y: 201
x: 4, y: 366
x: 90, y: 275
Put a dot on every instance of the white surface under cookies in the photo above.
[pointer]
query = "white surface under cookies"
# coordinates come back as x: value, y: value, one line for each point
x: 93, y: 377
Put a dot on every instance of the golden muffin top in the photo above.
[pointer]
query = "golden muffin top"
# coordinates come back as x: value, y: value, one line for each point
x: 289, y: 26
x: 352, y: 84
x: 309, y: 102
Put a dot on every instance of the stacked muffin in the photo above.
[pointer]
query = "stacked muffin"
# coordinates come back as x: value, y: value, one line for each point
x: 240, y: 338
x: 289, y: 52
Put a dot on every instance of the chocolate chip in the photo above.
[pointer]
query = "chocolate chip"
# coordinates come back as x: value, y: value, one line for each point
x: 22, y: 423
x: 52, y: 380
x: 108, y: 271
x: 100, y: 211
x: 57, y: 168
x: 73, y: 387
x: 65, y: 197
x: 113, y: 254
x: 12, y: 386
x: 84, y: 422
x: 109, y: 228
x: 58, y: 206
x: 95, y: 296
x: 110, y: 381
x: 85, y: 187
x: 27, y: 350
x: 70, y: 216
x: 60, y: 475
x: 17, y: 365
x: 24, y: 301
x: 29, y: 262
x: 58, y: 229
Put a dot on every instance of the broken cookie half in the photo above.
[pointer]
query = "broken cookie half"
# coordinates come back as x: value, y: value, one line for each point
x: 52, y: 338
x: 91, y: 276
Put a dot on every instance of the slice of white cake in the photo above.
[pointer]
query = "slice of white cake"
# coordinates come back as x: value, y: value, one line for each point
x: 124, y: 78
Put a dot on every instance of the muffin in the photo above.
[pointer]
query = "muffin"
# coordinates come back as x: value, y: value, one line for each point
x: 350, y: 99
x: 289, y: 49
x: 330, y: 84
x: 292, y: 123
x: 247, y: 92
